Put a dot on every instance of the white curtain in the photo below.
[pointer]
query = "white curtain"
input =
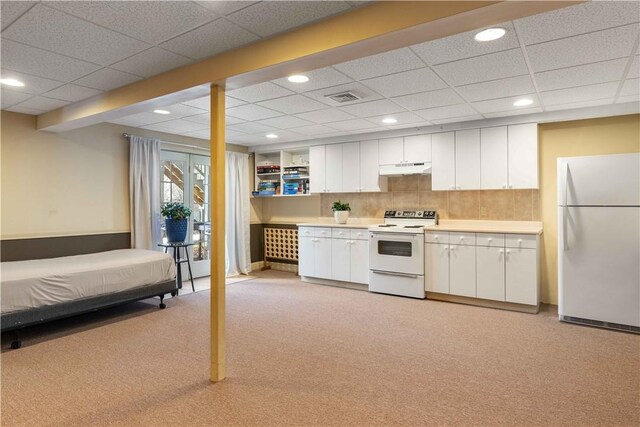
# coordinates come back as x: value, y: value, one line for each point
x: 144, y: 192
x: 237, y: 211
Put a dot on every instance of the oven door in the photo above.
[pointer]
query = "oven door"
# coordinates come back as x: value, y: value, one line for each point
x: 396, y: 252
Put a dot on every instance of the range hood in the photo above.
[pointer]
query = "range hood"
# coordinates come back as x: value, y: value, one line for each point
x: 405, y: 169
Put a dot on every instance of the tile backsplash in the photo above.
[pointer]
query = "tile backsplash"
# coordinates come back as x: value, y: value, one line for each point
x: 414, y: 192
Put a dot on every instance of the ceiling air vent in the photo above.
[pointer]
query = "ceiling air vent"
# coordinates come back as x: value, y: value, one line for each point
x: 343, y: 97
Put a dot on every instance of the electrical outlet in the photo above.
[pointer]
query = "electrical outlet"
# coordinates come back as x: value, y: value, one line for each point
x: 483, y: 211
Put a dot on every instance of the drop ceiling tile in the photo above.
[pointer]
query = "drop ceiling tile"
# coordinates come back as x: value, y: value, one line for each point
x: 354, y: 124
x: 210, y: 39
x: 32, y: 84
x: 151, y: 62
x: 229, y: 120
x: 373, y: 108
x: 271, y: 17
x: 416, y: 125
x: 630, y: 87
x: 361, y: 131
x: 225, y: 7
x: 24, y: 110
x: 514, y: 113
x: 283, y: 135
x: 251, y: 127
x: 318, y: 79
x: 493, y: 66
x: 204, y: 118
x: 107, y: 79
x: 359, y: 89
x: 229, y: 133
x: 394, y: 61
x: 203, y: 103
x: 593, y: 47
x: 581, y: 75
x: 580, y: 94
x: 37, y: 62
x: 435, y: 98
x: 313, y: 130
x: 249, y: 140
x: 160, y: 128
x: 458, y: 119
x: 58, y: 32
x: 179, y: 111
x: 584, y: 104
x: 405, y: 83
x: 142, y: 119
x: 12, y: 97
x: 259, y: 92
x: 285, y: 122
x: 42, y: 103
x: 200, y: 134
x: 325, y: 116
x: 149, y: 21
x: 293, y: 104
x: 461, y: 46
x: 72, y: 93
x: 181, y: 125
x: 621, y: 99
x: 402, y: 118
x: 12, y: 10
x: 634, y: 71
x: 446, y: 112
x: 578, y: 19
x: 230, y: 102
x: 511, y: 86
x: 504, y: 104
x: 251, y: 112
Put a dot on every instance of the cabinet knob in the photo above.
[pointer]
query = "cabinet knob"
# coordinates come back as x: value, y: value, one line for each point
x: 436, y: 237
x: 489, y: 240
x: 501, y: 251
x: 461, y: 238
x: 504, y: 186
x: 510, y: 186
x: 519, y: 240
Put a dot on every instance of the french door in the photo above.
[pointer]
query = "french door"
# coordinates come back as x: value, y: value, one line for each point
x: 186, y: 178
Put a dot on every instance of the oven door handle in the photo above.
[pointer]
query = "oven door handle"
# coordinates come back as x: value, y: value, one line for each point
x: 390, y: 273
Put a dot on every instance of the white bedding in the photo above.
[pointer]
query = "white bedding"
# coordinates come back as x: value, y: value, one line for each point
x: 35, y: 283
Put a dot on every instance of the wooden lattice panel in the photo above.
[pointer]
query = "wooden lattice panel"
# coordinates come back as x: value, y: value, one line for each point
x: 281, y: 243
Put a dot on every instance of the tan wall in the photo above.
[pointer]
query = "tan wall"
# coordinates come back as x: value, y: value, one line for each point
x: 609, y: 135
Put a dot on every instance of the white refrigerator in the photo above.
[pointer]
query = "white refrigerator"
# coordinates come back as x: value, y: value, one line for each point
x: 599, y: 241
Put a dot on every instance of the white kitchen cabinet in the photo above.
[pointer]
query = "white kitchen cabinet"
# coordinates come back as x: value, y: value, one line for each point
x: 322, y: 258
x: 523, y: 155
x: 370, y: 179
x: 493, y: 158
x: 359, y: 261
x: 341, y: 259
x: 391, y: 151
x: 306, y: 256
x: 462, y: 270
x: 467, y: 159
x: 350, y: 159
x: 317, y: 173
x: 490, y: 281
x: 333, y: 168
x: 443, y: 156
x: 417, y: 148
x: 521, y: 276
x: 437, y: 268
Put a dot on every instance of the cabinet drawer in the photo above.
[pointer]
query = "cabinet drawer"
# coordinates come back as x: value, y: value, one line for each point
x: 340, y: 233
x: 468, y: 239
x: 306, y: 231
x: 436, y: 237
x: 322, y: 232
x: 529, y: 241
x: 490, y: 239
x: 359, y: 234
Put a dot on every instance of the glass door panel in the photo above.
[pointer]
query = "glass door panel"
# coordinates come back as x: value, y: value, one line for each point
x: 173, y: 179
x: 201, y: 225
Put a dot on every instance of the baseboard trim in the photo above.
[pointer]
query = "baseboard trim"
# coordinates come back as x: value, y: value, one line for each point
x: 335, y: 283
x: 511, y: 306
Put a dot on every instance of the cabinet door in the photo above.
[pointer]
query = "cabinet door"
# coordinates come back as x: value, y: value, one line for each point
x: 322, y: 258
x: 391, y: 151
x: 317, y: 169
x: 521, y: 276
x: 370, y: 179
x: 493, y: 158
x: 490, y: 277
x: 468, y: 159
x: 462, y: 270
x: 333, y: 168
x: 340, y: 259
x: 523, y: 155
x: 306, y: 256
x: 359, y: 258
x: 437, y: 268
x: 351, y: 167
x: 443, y: 157
x: 417, y: 149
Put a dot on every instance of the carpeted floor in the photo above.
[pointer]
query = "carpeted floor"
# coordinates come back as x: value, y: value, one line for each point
x: 301, y: 354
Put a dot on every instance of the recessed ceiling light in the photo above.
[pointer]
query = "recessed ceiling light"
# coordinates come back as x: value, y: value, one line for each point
x: 11, y: 82
x: 298, y: 78
x: 162, y: 112
x: 389, y: 120
x: 523, y: 102
x: 271, y: 135
x: 490, y: 34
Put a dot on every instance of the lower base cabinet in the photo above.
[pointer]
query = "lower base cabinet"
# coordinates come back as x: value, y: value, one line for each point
x: 359, y: 257
x: 437, y: 268
x: 314, y: 257
x: 490, y: 282
x: 521, y: 275
x: 462, y: 270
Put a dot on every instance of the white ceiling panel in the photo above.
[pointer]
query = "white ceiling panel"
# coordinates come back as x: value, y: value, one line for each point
x: 259, y: 92
x: 200, y: 134
x: 493, y: 66
x: 461, y: 46
x: 225, y: 7
x: 503, y: 104
x: 210, y: 39
x: 579, y: 104
x: 318, y: 79
x: 355, y: 124
x: 248, y: 139
x: 181, y: 125
x: 283, y: 136
x: 179, y: 111
x: 582, y: 75
x: 12, y: 97
x: 634, y: 71
x: 436, y: 98
x: 42, y: 103
x: 373, y: 108
x: 285, y: 122
x: 32, y: 84
x: 268, y: 18
x: 25, y: 110
x: 402, y: 118
x: 231, y: 102
x: 405, y: 83
x: 159, y: 128
x: 513, y: 112
x: 204, y: 103
x: 593, y: 47
x: 58, y: 32
x: 12, y: 10
x: 142, y: 119
x: 38, y: 62
x: 630, y: 87
x: 580, y: 94
x: 458, y: 119
x: 511, y: 86
x: 391, y: 62
x: 72, y: 93
x: 449, y: 111
x: 230, y: 120
x: 251, y: 112
x: 325, y: 116
x: 107, y: 79
x: 151, y: 62
x: 630, y: 98
x: 359, y: 89
x: 204, y: 118
x: 251, y: 127
x: 149, y: 21
x: 294, y: 104
x: 578, y: 19
x: 313, y: 130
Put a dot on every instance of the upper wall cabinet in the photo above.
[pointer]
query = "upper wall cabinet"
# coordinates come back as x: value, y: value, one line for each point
x: 523, y: 155
x: 370, y: 179
x: 317, y: 172
x: 410, y: 149
x: 493, y: 158
x: 443, y: 155
x: 467, y: 159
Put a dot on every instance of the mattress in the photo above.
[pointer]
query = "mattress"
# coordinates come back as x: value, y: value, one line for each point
x: 36, y: 283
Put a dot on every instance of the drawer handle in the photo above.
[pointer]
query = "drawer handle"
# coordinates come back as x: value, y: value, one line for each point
x: 489, y: 240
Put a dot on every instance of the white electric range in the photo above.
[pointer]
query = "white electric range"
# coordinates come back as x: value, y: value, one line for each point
x: 396, y: 253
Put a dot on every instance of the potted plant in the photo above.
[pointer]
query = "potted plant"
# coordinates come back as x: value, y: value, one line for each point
x: 177, y: 221
x: 341, y: 212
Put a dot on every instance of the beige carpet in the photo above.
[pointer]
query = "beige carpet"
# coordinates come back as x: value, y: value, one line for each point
x: 301, y: 354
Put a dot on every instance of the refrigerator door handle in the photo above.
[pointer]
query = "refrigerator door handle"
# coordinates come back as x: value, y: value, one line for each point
x: 564, y: 207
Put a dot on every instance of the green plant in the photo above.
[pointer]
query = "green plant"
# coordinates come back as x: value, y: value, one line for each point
x: 175, y: 210
x: 339, y: 206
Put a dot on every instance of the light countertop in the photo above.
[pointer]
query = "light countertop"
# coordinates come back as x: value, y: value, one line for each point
x: 479, y: 226
x: 351, y: 223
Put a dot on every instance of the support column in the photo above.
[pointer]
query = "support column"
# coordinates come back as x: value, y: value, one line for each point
x: 217, y: 249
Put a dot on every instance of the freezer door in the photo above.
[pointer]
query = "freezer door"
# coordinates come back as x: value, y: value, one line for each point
x: 612, y: 180
x: 599, y: 271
